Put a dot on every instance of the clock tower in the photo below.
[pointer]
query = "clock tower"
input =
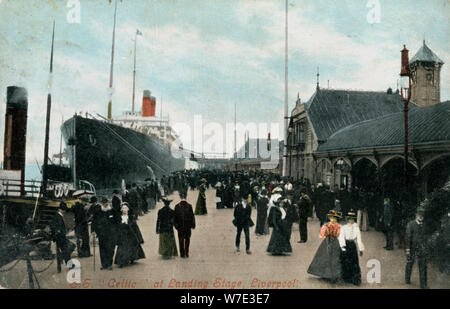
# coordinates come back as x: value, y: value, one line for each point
x: 425, y: 68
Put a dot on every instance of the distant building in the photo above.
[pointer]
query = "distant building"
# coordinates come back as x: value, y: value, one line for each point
x: 259, y: 154
x: 347, y: 138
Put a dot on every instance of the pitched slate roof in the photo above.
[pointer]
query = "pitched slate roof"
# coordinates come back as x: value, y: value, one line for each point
x: 425, y: 54
x: 426, y: 125
x: 332, y: 110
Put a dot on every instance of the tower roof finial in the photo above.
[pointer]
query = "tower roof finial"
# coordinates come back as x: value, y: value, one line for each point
x: 425, y: 54
x: 318, y: 74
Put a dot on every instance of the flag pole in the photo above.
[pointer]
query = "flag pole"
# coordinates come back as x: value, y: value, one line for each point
x: 112, y: 64
x: 134, y: 74
x: 284, y: 172
x: 47, y: 120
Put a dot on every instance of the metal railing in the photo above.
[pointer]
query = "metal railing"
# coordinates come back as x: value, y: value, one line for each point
x: 12, y: 187
x: 31, y: 188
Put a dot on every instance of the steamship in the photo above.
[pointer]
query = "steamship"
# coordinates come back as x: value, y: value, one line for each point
x: 133, y: 147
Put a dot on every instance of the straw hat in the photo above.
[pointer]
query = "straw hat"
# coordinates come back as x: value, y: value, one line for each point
x: 335, y: 214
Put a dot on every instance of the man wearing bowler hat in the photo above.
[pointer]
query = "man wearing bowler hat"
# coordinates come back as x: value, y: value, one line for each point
x: 58, y: 230
x: 416, y: 247
x: 116, y: 202
x: 184, y: 223
x: 82, y: 226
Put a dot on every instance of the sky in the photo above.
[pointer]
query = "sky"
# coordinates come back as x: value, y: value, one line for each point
x: 203, y: 57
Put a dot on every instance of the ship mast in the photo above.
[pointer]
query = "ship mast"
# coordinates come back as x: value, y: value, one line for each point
x: 60, y: 142
x: 235, y: 153
x: 286, y: 117
x: 47, y: 120
x: 112, y: 64
x: 134, y: 70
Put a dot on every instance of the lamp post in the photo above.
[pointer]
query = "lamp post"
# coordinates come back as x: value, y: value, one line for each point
x: 291, y: 139
x: 340, y: 164
x: 405, y: 90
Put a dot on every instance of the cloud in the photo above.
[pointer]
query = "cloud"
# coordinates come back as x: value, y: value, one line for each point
x: 203, y: 62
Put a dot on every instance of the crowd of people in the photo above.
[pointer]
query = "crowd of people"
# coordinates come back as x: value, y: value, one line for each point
x: 279, y: 202
x: 113, y: 223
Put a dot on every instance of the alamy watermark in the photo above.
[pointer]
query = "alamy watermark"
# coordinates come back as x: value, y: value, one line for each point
x: 74, y: 273
x: 74, y: 14
x: 217, y: 138
x: 374, y: 14
x: 374, y: 273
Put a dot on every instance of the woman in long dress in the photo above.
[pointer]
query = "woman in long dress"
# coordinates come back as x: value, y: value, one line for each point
x: 200, y: 207
x: 128, y: 246
x: 164, y: 227
x: 291, y: 215
x: 219, y: 195
x: 104, y: 224
x: 254, y: 196
x: 279, y: 243
x: 261, y: 211
x: 350, y: 242
x: 228, y: 195
x: 134, y: 226
x: 326, y: 263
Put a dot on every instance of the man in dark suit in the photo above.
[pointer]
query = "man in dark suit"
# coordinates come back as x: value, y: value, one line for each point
x: 149, y: 194
x: 116, y: 202
x: 321, y: 204
x: 82, y: 228
x: 291, y: 212
x: 184, y: 222
x: 58, y: 230
x: 133, y: 201
x: 388, y: 216
x: 242, y: 221
x: 304, y: 210
x: 416, y: 247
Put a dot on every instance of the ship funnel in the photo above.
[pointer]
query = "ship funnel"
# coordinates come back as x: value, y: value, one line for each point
x: 15, y: 130
x: 148, y: 104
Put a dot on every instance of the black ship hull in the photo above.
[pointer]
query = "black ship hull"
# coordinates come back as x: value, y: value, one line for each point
x: 104, y: 153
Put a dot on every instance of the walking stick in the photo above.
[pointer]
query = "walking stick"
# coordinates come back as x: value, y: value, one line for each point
x: 93, y: 246
x: 58, y: 259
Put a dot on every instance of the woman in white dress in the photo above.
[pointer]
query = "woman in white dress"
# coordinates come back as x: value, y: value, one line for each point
x: 351, y: 243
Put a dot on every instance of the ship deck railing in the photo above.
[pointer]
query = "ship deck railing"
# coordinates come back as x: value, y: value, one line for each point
x: 29, y: 188
x: 13, y: 187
